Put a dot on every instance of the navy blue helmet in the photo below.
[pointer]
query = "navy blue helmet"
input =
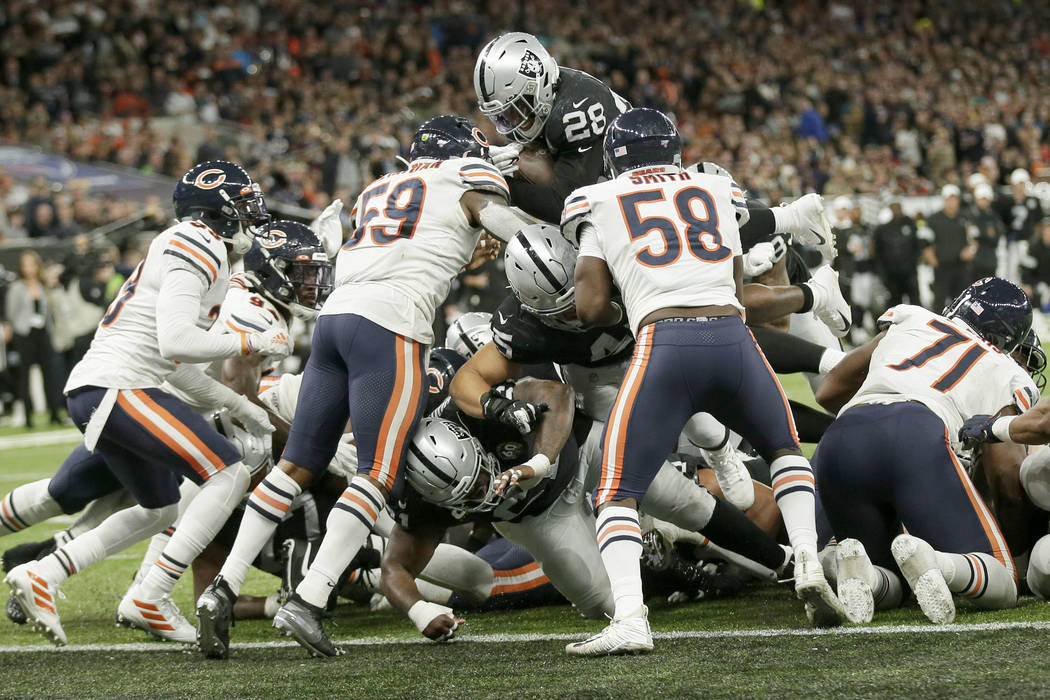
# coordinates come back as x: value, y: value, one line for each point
x: 444, y: 363
x: 1032, y: 357
x: 448, y: 136
x: 639, y: 137
x: 222, y: 195
x: 997, y: 309
x: 288, y: 265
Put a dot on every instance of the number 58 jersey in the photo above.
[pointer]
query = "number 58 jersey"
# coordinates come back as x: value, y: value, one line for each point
x: 668, y: 236
x: 943, y: 364
x: 412, y: 237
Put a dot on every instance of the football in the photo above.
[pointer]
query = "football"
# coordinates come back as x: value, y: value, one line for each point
x: 535, y: 165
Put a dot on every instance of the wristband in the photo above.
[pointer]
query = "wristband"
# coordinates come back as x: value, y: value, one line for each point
x: 540, y: 464
x: 1001, y: 428
x: 422, y: 613
x: 807, y: 298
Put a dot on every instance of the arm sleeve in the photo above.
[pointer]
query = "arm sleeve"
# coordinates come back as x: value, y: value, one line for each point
x: 760, y: 226
x: 572, y: 169
x: 198, y: 386
x: 178, y: 336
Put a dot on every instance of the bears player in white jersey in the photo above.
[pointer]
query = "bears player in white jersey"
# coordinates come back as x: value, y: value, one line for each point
x: 415, y: 230
x: 891, y: 458
x: 668, y: 240
x: 147, y: 436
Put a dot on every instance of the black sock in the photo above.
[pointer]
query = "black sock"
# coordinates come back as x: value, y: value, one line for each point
x: 788, y: 353
x: 810, y: 422
x: 730, y: 529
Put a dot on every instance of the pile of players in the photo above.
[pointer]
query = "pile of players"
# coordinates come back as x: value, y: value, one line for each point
x: 618, y: 415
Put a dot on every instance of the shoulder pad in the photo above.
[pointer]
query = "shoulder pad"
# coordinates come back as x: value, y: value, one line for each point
x: 477, y: 174
x: 190, y: 245
x: 576, y: 211
x: 899, y: 314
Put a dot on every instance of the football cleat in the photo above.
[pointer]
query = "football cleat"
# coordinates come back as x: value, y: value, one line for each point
x: 214, y: 617
x: 828, y: 303
x: 822, y: 605
x: 14, y: 611
x: 627, y: 635
x: 159, y: 617
x: 811, y: 227
x: 29, y: 551
x: 733, y: 477
x: 855, y: 574
x: 918, y: 562
x: 300, y: 620
x: 36, y: 596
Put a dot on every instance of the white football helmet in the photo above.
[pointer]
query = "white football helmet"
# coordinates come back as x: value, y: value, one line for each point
x: 447, y: 466
x: 515, y: 79
x: 469, y: 333
x: 540, y: 266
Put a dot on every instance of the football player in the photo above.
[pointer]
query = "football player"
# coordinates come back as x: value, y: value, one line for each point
x: 148, y: 437
x: 415, y: 230
x: 668, y: 240
x: 891, y: 458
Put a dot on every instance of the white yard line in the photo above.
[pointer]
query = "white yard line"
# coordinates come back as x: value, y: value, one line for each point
x: 50, y: 437
x: 517, y: 638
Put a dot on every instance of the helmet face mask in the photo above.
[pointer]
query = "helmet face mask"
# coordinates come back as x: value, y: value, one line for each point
x: 515, y: 80
x: 1030, y: 355
x: 449, y: 467
x: 288, y: 265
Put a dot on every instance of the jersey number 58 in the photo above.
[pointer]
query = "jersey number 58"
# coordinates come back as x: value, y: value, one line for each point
x: 701, y: 230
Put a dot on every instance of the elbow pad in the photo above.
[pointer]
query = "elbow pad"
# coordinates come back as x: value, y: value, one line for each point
x: 501, y: 221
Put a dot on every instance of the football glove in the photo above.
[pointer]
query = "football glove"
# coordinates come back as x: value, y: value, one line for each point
x: 977, y: 429
x: 505, y: 158
x: 523, y: 416
x: 763, y: 256
x: 254, y: 418
x: 329, y: 228
x: 274, y: 343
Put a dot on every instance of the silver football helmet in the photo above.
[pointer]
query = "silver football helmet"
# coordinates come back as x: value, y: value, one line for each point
x: 469, y: 333
x: 540, y: 266
x: 515, y: 79
x: 449, y: 467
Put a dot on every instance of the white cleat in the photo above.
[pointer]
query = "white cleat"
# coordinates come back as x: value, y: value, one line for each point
x: 855, y: 574
x: 918, y: 562
x: 732, y: 475
x: 628, y: 635
x: 159, y: 617
x: 828, y: 303
x: 37, y: 598
x: 822, y: 605
x: 811, y: 227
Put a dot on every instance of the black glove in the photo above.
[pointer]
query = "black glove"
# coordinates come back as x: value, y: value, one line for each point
x: 976, y: 430
x: 523, y: 416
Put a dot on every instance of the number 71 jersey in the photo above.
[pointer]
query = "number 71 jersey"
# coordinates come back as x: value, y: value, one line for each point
x: 667, y: 235
x: 943, y: 364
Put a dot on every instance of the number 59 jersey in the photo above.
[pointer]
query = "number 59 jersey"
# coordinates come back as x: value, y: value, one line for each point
x: 412, y: 238
x: 668, y: 236
x: 943, y: 364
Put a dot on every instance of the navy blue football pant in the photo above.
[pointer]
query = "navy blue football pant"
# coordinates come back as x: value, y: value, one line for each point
x: 83, y: 477
x: 683, y: 367
x: 151, y: 439
x: 881, y: 466
x: 364, y: 373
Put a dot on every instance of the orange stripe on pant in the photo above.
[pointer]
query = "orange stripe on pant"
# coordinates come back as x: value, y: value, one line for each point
x: 1000, y: 550
x: 174, y: 446
x: 783, y: 396
x: 378, y: 469
x: 415, y: 397
x: 518, y: 587
x: 616, y: 429
x: 174, y: 422
x: 508, y: 573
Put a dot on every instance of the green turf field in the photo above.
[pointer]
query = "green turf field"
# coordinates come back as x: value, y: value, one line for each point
x: 757, y: 644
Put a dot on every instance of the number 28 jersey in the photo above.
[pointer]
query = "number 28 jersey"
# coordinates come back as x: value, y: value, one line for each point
x: 668, y: 236
x: 943, y: 364
x: 411, y: 239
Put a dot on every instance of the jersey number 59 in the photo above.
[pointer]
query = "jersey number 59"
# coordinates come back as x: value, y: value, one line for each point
x: 402, y: 206
x: 701, y: 230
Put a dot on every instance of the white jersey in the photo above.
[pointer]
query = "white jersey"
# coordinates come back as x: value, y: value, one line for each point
x: 943, y: 364
x: 125, y: 353
x: 412, y: 238
x: 667, y: 235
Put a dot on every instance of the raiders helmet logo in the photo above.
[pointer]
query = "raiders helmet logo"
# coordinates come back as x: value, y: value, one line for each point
x: 530, y: 65
x: 459, y: 431
x: 274, y: 238
x: 210, y: 179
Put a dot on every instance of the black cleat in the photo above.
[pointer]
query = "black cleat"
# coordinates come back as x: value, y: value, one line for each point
x: 300, y: 620
x: 214, y: 617
x: 27, y: 552
x: 15, y: 613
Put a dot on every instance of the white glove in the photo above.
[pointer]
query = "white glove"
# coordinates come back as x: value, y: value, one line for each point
x: 763, y: 256
x: 505, y: 158
x: 274, y: 343
x: 329, y: 228
x: 253, y: 418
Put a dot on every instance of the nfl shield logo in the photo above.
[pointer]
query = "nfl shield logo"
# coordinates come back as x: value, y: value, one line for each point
x: 530, y: 65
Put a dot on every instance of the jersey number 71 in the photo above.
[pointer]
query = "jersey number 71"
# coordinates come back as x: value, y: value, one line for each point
x: 701, y: 232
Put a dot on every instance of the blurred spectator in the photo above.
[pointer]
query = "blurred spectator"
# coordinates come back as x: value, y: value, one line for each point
x: 988, y: 232
x: 898, y: 248
x: 1036, y: 269
x: 27, y: 310
x: 1020, y: 211
x: 947, y: 251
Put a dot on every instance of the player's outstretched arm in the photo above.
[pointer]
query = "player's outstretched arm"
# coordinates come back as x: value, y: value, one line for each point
x: 594, y: 304
x: 407, y: 554
x: 490, y: 212
x: 842, y: 382
x: 551, y: 434
x: 485, y: 369
x: 1030, y: 428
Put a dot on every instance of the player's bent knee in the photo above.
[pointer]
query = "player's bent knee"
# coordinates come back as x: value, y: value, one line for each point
x: 1035, y: 477
x: 1039, y: 569
x: 301, y: 476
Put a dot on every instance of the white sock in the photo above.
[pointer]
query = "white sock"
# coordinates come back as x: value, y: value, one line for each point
x: 794, y: 489
x: 27, y: 505
x: 886, y: 588
x: 200, y: 522
x: 979, y: 577
x: 348, y: 525
x: 829, y: 359
x: 157, y: 543
x: 115, y: 534
x: 705, y: 432
x: 100, y: 509
x: 433, y: 593
x: 267, y: 505
x: 620, y: 544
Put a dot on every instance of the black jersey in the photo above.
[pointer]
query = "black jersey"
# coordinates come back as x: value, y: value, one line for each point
x: 510, y: 449
x: 523, y: 338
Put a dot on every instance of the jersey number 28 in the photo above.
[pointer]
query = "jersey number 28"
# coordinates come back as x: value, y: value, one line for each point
x: 701, y: 230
